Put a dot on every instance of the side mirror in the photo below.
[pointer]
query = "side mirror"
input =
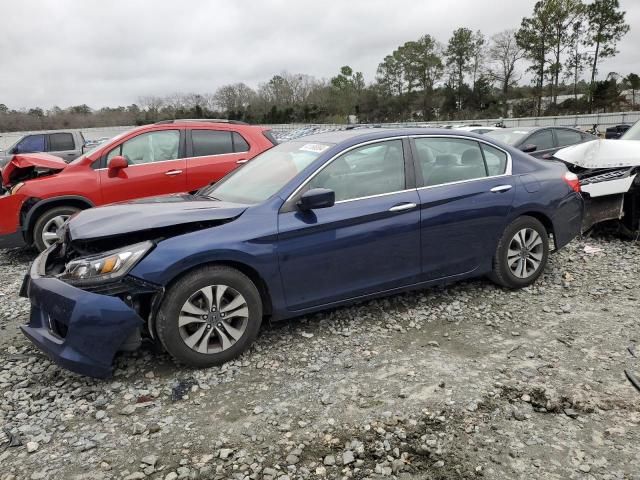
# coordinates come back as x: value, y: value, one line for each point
x: 529, y: 148
x: 118, y: 163
x: 317, y: 198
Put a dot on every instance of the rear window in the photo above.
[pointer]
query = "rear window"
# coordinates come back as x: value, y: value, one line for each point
x: 211, y: 142
x: 59, y: 142
x: 269, y: 136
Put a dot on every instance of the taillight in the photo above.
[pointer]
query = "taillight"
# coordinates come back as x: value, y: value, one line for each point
x: 572, y: 180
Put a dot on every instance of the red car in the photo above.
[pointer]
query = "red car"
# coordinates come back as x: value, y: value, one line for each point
x: 41, y: 191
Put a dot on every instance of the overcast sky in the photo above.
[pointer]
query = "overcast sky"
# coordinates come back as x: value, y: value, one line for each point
x: 66, y: 52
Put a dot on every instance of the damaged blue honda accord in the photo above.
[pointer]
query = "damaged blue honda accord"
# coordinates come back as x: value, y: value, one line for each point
x: 314, y: 223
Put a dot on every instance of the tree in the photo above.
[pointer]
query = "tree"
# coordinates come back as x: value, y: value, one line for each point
x: 534, y: 38
x: 423, y: 66
x: 390, y: 75
x: 561, y: 15
x: 632, y: 81
x: 347, y: 87
x: 577, y: 58
x: 606, y: 28
x: 477, y: 56
x: 459, y: 54
x: 504, y: 53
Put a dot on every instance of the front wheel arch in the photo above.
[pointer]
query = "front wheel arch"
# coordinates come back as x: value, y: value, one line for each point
x: 32, y: 211
x: 254, y: 276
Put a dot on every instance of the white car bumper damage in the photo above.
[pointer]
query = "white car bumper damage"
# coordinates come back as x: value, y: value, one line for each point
x: 608, y: 172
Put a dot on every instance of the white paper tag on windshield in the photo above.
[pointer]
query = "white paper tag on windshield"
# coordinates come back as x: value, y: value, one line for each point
x: 314, y: 147
x: 520, y: 132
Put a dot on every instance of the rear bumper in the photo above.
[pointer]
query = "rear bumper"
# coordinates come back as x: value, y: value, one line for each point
x: 79, y: 330
x: 567, y: 221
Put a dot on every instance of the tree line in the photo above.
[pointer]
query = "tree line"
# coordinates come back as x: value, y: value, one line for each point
x: 559, y: 47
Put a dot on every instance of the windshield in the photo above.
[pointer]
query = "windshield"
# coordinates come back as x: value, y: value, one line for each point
x: 508, y: 136
x: 633, y: 133
x: 267, y: 173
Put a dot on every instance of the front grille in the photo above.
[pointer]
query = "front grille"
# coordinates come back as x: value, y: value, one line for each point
x: 114, y: 288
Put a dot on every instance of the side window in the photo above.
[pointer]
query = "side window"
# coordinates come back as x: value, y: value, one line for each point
x: 149, y: 147
x: 239, y: 143
x: 447, y: 160
x: 365, y: 171
x: 59, y: 142
x: 496, y: 160
x: 30, y: 143
x: 211, y: 142
x: 542, y: 139
x: 567, y: 137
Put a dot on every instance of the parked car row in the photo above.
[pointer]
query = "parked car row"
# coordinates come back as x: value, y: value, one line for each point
x: 42, y: 191
x: 310, y: 224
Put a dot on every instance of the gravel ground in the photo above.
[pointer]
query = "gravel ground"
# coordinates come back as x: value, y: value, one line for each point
x: 463, y: 382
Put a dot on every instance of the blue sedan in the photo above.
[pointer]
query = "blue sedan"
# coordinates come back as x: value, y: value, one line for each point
x: 321, y: 221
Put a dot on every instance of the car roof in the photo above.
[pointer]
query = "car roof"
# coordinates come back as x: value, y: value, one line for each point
x: 373, y: 133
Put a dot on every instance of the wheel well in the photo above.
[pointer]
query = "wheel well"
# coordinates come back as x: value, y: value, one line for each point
x: 253, y: 275
x: 543, y: 219
x: 30, y: 217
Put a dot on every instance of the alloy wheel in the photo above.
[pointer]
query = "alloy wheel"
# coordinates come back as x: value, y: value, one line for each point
x: 525, y: 253
x: 50, y: 230
x: 213, y: 319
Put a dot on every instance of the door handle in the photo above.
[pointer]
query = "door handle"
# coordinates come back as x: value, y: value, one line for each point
x: 501, y: 188
x: 242, y: 161
x: 402, y: 207
x: 172, y: 173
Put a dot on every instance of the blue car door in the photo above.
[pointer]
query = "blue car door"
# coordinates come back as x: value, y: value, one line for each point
x: 466, y: 192
x: 369, y: 241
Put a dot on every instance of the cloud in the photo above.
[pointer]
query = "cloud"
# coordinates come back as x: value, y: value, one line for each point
x: 65, y: 52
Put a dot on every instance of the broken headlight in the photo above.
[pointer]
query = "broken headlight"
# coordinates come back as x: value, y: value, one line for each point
x: 105, y: 266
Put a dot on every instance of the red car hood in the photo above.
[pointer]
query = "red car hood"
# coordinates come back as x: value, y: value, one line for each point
x: 42, y: 162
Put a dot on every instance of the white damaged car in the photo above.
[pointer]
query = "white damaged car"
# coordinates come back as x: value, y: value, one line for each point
x: 609, y: 178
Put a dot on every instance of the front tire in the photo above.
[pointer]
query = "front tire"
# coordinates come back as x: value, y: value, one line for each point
x: 522, y: 253
x: 209, y: 317
x: 46, y: 227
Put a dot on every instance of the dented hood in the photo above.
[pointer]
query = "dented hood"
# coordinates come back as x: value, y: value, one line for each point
x: 602, y: 154
x: 151, y: 214
x: 41, y: 161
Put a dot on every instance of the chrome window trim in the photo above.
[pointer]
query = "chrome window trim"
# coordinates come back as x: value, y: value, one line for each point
x: 375, y: 196
x: 218, y: 154
x: 326, y: 164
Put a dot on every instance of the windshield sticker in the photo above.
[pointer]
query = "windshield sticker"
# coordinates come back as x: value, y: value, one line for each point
x: 520, y: 132
x: 313, y: 147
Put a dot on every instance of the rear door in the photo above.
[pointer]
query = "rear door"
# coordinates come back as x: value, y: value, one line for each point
x: 63, y: 145
x: 211, y: 154
x: 465, y: 194
x: 369, y: 241
x: 156, y: 167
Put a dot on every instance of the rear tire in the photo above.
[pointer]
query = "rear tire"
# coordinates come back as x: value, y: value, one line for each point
x: 209, y: 317
x: 521, y: 254
x: 47, y: 224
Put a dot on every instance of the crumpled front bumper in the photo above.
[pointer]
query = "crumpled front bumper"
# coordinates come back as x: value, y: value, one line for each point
x: 79, y: 330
